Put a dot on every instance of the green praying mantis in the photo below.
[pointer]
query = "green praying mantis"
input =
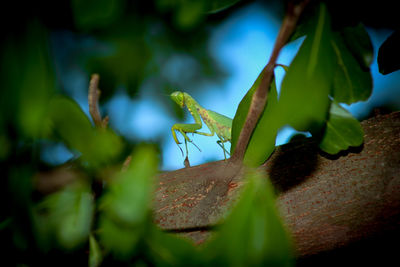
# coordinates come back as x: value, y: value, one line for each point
x: 216, y: 123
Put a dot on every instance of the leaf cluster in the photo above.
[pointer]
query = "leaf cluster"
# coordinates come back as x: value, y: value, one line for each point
x: 331, y: 67
x: 96, y: 209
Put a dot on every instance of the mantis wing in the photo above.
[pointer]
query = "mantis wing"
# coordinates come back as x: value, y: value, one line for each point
x: 219, y: 123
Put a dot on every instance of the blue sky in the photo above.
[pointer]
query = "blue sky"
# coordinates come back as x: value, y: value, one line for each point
x: 242, y: 44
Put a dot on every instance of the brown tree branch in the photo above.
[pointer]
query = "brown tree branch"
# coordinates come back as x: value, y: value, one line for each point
x: 260, y: 96
x: 326, y: 202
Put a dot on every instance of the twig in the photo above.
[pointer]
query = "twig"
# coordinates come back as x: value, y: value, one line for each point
x: 126, y: 163
x: 93, y: 97
x: 260, y: 96
x: 104, y: 122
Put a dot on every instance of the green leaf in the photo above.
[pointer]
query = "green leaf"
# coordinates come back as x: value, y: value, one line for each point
x: 253, y: 234
x: 125, y: 207
x: 18, y: 188
x: 304, y: 101
x: 5, y: 145
x: 27, y: 80
x: 90, y: 15
x: 95, y: 256
x: 75, y: 227
x: 167, y: 249
x: 358, y: 42
x: 342, y: 131
x: 116, y: 67
x: 262, y: 142
x: 70, y: 123
x: 352, y: 82
x: 243, y: 109
x: 118, y: 239
x: 5, y: 223
x: 189, y: 13
x: 388, y: 55
x: 214, y: 6
x: 241, y: 113
x: 98, y: 146
x: 66, y: 216
x: 129, y: 196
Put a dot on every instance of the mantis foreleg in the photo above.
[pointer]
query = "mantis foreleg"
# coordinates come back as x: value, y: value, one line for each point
x: 183, y: 129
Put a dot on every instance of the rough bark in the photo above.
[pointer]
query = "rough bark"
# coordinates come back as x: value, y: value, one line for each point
x: 326, y: 202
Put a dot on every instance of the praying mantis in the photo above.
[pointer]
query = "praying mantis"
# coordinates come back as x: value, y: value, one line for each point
x: 216, y: 123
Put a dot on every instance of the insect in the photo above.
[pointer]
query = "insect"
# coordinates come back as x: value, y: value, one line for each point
x: 216, y: 123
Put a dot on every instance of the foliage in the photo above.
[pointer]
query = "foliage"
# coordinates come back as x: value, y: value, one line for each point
x: 330, y: 67
x: 342, y: 131
x: 254, y: 230
x: 105, y: 207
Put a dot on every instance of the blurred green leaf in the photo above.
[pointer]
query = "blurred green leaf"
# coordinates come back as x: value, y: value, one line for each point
x: 98, y: 146
x: 125, y: 207
x: 129, y: 196
x: 167, y: 249
x: 119, y: 240
x: 253, y: 234
x: 358, y: 42
x: 70, y: 123
x: 18, y: 204
x: 351, y: 82
x: 5, y: 146
x: 66, y: 216
x: 95, y: 256
x: 94, y: 14
x: 342, y: 131
x: 75, y: 227
x: 214, y: 6
x: 388, y: 54
x: 127, y: 62
x: 187, y: 13
x: 304, y: 101
x: 27, y: 80
x: 5, y: 223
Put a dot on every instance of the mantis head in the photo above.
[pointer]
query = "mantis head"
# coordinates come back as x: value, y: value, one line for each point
x: 179, y: 98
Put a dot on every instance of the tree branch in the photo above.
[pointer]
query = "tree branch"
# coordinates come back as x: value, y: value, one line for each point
x: 326, y: 202
x: 260, y: 96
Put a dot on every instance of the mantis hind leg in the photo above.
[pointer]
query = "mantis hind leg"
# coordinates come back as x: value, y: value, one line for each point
x: 221, y: 144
